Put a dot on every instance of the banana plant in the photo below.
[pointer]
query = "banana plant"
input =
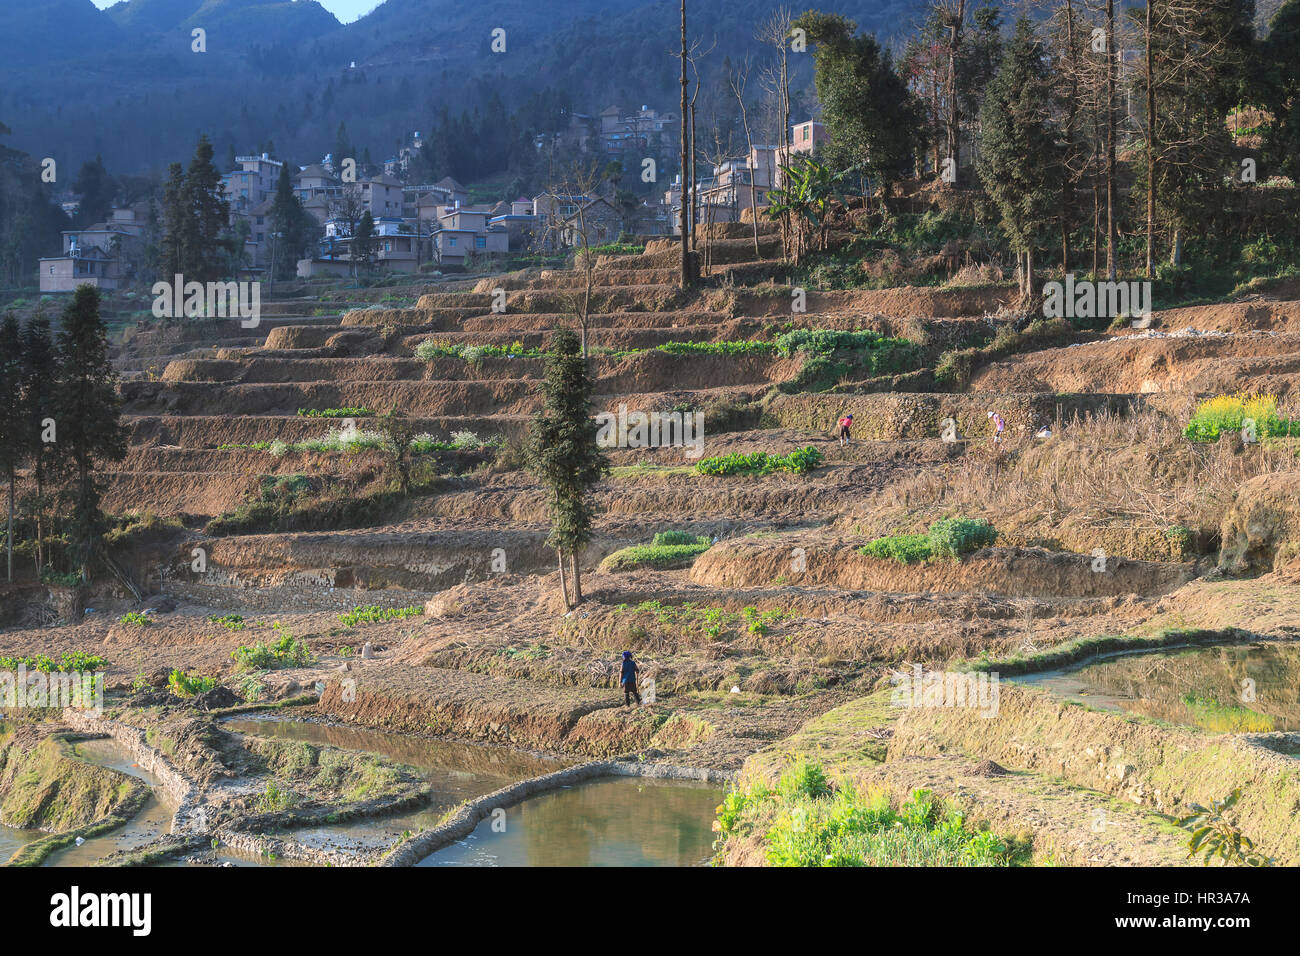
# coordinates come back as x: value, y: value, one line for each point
x: 806, y: 198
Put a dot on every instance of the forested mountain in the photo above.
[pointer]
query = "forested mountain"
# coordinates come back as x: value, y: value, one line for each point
x: 123, y: 83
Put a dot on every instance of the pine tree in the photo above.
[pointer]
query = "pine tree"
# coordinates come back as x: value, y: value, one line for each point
x: 1019, y: 161
x: 87, y: 417
x: 206, y: 216
x: 1277, y: 90
x: 363, y: 242
x: 96, y: 189
x: 11, y: 430
x: 873, y: 119
x: 289, y: 224
x: 40, y: 373
x: 561, y: 451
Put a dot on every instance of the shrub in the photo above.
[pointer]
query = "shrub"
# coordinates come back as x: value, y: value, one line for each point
x: 947, y: 538
x: 288, y: 651
x: 189, y: 685
x: 136, y: 618
x: 950, y: 537
x: 373, y: 614
x: 1229, y: 413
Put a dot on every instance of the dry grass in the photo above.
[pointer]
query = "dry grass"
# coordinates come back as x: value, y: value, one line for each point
x: 1138, y: 469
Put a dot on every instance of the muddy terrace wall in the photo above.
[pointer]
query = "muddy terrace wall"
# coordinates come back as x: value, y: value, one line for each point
x: 175, y: 789
x: 1011, y: 571
x: 211, y: 431
x: 558, y: 718
x: 364, y: 559
x: 892, y: 416
x: 1166, y: 768
x: 919, y: 301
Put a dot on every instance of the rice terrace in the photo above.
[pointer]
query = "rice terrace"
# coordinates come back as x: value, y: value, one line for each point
x: 904, y: 474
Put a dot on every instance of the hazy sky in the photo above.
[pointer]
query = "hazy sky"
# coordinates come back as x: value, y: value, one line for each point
x: 345, y: 10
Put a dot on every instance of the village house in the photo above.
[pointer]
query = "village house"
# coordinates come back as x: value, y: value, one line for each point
x: 806, y: 137
x: 101, y: 255
x: 394, y: 248
x: 620, y: 131
x: 518, y: 220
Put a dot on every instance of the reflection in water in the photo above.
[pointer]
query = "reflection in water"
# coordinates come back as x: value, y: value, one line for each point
x: 623, y: 821
x: 153, y: 820
x: 13, y: 839
x: 456, y: 772
x: 1227, y: 689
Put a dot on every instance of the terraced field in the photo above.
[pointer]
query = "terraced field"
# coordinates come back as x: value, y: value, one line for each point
x: 784, y: 637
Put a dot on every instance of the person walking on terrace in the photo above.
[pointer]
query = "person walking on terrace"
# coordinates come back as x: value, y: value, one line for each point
x: 628, y: 679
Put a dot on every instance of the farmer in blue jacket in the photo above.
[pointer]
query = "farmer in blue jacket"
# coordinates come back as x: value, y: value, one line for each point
x: 628, y: 679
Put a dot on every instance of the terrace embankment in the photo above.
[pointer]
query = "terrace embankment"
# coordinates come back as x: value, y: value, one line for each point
x: 1019, y: 572
x: 1135, y: 760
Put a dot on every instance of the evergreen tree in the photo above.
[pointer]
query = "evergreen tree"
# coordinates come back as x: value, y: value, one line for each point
x: 1019, y: 161
x: 363, y: 242
x: 561, y: 451
x: 11, y: 423
x: 40, y: 375
x: 87, y: 416
x: 342, y: 146
x: 1277, y: 90
x: 291, y: 225
x: 872, y: 117
x: 96, y: 189
x: 206, y: 217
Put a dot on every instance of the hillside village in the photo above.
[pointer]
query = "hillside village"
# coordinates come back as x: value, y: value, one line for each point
x: 427, y: 227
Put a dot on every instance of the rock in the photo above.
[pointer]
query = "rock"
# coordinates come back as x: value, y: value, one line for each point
x: 217, y: 698
x: 367, y: 652
x: 345, y: 666
x: 160, y: 604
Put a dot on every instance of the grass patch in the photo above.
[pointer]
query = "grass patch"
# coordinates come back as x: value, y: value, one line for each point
x: 810, y: 823
x: 1080, y: 649
x: 334, y: 413
x: 759, y: 463
x: 669, y: 549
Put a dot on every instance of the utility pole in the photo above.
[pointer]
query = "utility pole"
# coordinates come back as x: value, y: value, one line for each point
x: 686, y: 185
